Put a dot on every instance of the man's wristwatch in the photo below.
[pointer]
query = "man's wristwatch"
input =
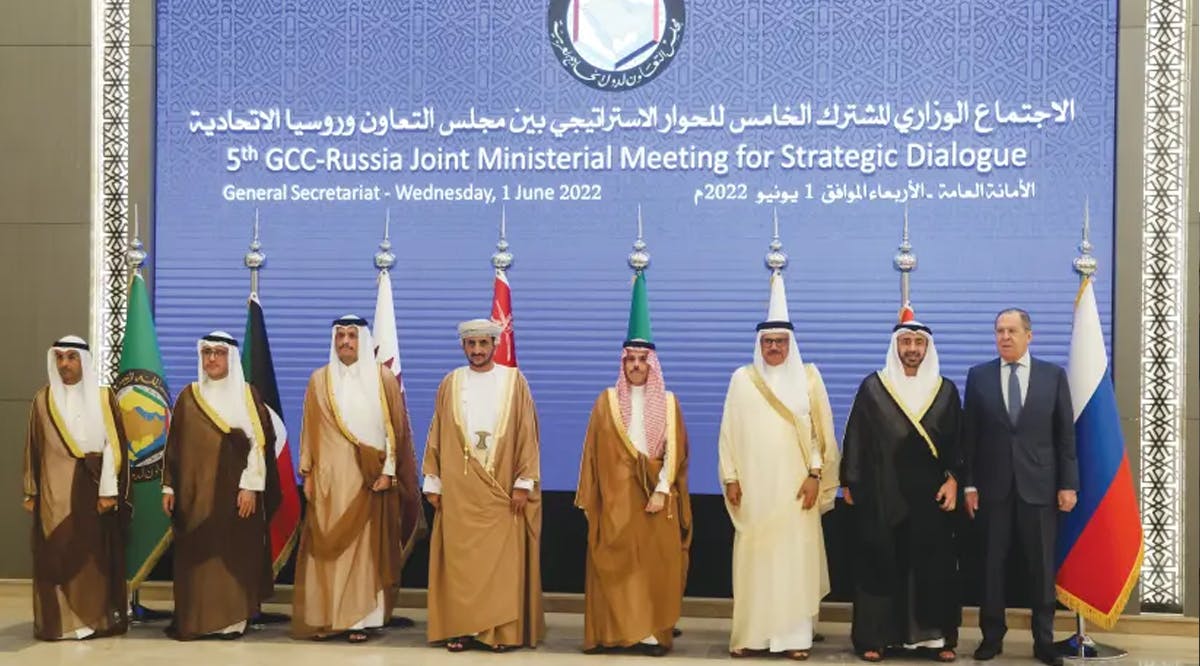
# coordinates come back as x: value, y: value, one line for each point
x: 814, y: 475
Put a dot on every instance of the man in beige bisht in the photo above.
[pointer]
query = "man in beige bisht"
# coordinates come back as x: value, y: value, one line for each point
x: 633, y: 490
x: 215, y: 491
x: 359, y: 469
x: 76, y: 479
x: 481, y: 472
x: 779, y: 467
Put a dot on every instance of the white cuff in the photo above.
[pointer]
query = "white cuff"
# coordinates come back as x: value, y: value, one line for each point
x: 108, y: 477
x: 254, y: 477
x: 252, y: 481
x: 814, y: 457
x: 524, y: 484
x: 970, y: 489
x: 432, y: 485
x: 166, y: 490
x: 389, y: 467
x: 663, y: 487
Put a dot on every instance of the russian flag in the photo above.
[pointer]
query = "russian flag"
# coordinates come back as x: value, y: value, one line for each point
x: 1099, y: 553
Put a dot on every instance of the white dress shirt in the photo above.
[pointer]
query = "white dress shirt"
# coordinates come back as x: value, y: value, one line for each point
x: 1022, y: 377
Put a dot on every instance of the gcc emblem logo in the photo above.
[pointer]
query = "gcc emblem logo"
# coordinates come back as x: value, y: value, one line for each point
x: 615, y: 44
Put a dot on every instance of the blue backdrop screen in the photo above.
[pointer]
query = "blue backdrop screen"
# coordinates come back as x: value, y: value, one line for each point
x: 991, y: 122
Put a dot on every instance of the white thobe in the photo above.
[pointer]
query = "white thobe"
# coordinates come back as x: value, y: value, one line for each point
x: 637, y: 432
x: 779, y: 568
x: 637, y: 435
x: 73, y: 413
x: 479, y: 398
x: 356, y: 402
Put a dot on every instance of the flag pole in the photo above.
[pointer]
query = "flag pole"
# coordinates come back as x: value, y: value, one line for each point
x: 255, y: 259
x: 502, y: 259
x: 776, y: 259
x: 1081, y: 646
x: 136, y: 258
x: 905, y: 262
x: 385, y: 259
x: 639, y: 259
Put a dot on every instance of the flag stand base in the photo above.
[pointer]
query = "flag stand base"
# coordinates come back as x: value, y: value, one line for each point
x: 263, y: 617
x: 1092, y: 651
x: 139, y: 614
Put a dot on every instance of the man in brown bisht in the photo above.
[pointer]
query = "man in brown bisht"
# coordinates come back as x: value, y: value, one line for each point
x: 633, y: 490
x: 360, y: 479
x: 76, y: 478
x: 481, y: 472
x: 216, y: 489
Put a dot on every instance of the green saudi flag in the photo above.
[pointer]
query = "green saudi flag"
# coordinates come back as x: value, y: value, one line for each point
x: 639, y: 312
x: 145, y: 413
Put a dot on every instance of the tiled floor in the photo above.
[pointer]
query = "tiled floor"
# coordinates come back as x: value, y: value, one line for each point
x: 703, y: 639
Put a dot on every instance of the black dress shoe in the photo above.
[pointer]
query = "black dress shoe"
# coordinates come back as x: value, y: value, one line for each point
x: 658, y: 650
x: 989, y: 651
x: 1048, y: 656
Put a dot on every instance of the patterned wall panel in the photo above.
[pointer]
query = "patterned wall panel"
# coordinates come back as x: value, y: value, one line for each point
x: 110, y: 197
x: 1163, y: 306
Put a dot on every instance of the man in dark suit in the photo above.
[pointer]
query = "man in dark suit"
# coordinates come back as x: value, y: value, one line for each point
x: 1019, y: 437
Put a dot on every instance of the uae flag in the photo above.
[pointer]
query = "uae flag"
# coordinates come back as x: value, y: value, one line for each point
x: 284, y: 514
x: 502, y: 313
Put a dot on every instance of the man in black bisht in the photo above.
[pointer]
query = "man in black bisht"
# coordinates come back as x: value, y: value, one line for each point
x: 900, y: 463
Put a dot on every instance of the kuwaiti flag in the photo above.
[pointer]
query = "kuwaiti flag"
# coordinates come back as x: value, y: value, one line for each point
x: 387, y: 341
x: 1099, y: 543
x: 283, y: 512
x: 502, y: 313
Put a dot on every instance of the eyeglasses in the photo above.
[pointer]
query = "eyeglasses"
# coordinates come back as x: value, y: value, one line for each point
x: 775, y: 342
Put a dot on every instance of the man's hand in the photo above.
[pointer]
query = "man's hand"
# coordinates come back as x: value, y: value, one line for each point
x: 733, y: 493
x: 519, y: 497
x: 1067, y: 500
x: 245, y: 502
x: 27, y: 504
x: 658, y: 501
x: 808, y: 493
x: 846, y: 496
x: 435, y: 500
x: 382, y: 483
x: 105, y: 504
x: 168, y: 504
x: 972, y: 499
x: 947, y: 495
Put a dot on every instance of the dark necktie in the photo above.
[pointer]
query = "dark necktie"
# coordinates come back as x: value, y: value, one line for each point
x: 1014, y: 393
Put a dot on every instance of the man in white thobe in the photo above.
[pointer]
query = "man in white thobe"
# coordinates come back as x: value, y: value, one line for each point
x: 779, y: 466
